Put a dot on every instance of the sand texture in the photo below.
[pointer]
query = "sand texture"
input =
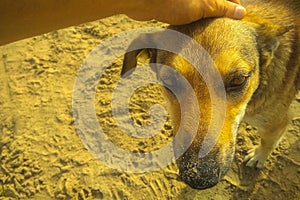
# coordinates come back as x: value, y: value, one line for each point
x: 42, y: 156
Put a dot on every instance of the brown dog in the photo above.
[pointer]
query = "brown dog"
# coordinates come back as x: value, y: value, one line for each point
x: 258, y: 59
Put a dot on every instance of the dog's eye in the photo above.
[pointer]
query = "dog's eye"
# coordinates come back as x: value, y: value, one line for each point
x: 237, y: 82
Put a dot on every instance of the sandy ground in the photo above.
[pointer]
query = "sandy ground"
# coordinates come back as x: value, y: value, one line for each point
x: 42, y: 156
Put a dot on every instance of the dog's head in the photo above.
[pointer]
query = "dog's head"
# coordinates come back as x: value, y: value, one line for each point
x: 238, y: 49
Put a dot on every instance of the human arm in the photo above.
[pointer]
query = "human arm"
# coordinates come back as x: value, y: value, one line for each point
x: 20, y: 19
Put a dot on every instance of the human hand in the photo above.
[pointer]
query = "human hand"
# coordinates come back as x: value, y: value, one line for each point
x: 32, y: 17
x: 178, y: 12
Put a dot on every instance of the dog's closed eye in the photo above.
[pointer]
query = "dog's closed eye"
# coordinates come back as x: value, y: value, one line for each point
x: 237, y: 81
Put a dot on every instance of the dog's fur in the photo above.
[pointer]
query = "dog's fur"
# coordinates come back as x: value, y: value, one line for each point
x: 259, y: 60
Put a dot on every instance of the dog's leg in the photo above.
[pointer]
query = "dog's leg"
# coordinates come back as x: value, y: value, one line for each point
x: 270, y: 136
x: 271, y: 122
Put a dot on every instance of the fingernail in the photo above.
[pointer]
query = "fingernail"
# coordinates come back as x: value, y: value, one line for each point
x: 239, y: 12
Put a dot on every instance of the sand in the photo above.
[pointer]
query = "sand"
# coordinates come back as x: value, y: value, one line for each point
x: 43, y: 157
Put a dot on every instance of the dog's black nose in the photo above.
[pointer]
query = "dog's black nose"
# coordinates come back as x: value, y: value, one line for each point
x: 201, y: 175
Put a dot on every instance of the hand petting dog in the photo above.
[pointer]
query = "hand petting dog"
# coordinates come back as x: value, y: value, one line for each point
x: 23, y: 19
x: 178, y: 12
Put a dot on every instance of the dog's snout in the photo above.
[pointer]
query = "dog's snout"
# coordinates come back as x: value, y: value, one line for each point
x: 201, y: 175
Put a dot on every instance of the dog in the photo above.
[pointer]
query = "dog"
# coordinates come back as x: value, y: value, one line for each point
x: 258, y: 59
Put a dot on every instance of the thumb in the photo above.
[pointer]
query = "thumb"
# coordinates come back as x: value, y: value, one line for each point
x: 233, y: 10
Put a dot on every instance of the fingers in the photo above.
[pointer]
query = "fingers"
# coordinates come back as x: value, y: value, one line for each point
x: 233, y: 10
x: 236, y: 1
x: 182, y: 12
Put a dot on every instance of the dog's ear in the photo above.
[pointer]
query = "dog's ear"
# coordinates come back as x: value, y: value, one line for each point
x: 132, y: 56
x: 268, y: 35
